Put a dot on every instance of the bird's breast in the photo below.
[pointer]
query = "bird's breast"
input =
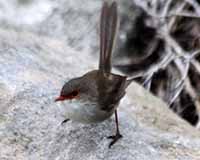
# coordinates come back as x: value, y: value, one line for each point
x: 85, y: 112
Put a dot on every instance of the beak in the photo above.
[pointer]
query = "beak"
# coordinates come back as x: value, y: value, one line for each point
x: 61, y: 98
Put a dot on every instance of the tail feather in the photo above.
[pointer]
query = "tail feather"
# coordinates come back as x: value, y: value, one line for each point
x: 109, y: 18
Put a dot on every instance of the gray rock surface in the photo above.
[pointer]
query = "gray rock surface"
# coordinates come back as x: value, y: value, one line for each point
x: 33, y: 68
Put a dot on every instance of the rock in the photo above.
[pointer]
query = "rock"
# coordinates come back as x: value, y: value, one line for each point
x: 24, y: 14
x: 33, y: 69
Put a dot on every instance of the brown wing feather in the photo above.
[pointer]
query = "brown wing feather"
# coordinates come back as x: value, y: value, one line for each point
x: 107, y: 36
x: 111, y: 88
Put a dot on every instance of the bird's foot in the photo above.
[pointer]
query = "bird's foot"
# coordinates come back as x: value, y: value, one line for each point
x: 114, y: 138
x: 65, y: 121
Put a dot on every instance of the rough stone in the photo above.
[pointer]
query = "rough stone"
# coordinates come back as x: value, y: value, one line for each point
x: 33, y: 68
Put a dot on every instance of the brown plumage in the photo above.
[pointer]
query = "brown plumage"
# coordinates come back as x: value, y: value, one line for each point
x: 94, y: 97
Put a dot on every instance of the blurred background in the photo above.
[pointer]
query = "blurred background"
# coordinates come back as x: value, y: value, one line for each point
x: 158, y: 42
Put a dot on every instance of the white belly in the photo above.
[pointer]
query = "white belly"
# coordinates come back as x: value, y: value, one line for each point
x: 83, y: 112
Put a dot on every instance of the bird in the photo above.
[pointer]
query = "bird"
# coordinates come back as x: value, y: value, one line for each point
x: 95, y: 96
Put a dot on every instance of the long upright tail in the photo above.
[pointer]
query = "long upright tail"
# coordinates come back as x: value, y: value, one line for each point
x: 108, y: 29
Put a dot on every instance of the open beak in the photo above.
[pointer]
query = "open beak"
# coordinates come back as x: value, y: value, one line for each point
x: 61, y: 98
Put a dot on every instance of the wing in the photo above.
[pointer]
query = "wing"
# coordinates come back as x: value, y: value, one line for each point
x: 111, y: 88
x: 108, y: 29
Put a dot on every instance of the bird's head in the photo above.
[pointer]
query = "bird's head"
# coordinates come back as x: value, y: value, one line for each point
x: 70, y: 90
x: 81, y: 89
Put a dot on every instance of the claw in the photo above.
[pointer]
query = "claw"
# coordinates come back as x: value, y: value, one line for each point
x: 114, y: 138
x: 65, y: 121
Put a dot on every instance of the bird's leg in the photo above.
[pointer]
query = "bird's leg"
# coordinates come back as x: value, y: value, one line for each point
x: 117, y: 136
x: 65, y: 121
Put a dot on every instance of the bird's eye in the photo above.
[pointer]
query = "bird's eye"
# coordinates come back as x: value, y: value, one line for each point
x: 74, y: 93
